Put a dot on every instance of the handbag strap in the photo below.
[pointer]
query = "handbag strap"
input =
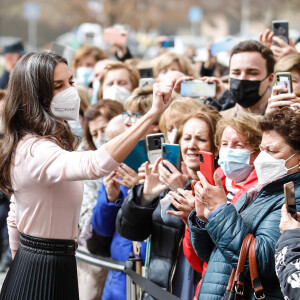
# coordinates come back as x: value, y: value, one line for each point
x: 256, y: 284
x: 239, y: 275
x: 231, y: 281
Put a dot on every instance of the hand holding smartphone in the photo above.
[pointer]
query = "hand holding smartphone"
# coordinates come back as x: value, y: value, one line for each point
x: 289, y: 195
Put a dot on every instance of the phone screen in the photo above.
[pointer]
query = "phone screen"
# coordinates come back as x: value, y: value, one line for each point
x: 281, y: 29
x: 285, y: 81
x: 197, y: 88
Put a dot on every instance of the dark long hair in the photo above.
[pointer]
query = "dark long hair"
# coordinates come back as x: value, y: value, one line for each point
x: 27, y: 110
x: 106, y: 108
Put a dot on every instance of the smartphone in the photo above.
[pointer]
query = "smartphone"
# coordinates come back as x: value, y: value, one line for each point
x: 222, y: 46
x: 207, y: 166
x: 154, y: 146
x: 146, y: 72
x: 281, y: 29
x: 169, y: 43
x: 113, y: 35
x: 284, y: 79
x: 197, y: 88
x: 137, y: 156
x: 171, y: 153
x: 289, y: 195
x: 146, y: 81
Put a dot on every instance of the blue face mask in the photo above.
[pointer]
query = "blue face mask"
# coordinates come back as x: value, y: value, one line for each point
x: 96, y: 87
x: 76, y: 128
x: 84, y: 75
x: 235, y: 163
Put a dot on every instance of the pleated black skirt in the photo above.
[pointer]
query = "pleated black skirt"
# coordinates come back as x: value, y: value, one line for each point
x: 42, y: 270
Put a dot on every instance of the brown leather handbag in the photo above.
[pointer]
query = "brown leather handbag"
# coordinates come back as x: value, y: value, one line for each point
x: 236, y: 286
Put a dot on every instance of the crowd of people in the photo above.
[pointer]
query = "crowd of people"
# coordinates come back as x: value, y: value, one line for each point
x: 67, y: 130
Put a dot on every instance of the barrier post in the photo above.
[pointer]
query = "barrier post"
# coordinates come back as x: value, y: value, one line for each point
x: 131, y: 287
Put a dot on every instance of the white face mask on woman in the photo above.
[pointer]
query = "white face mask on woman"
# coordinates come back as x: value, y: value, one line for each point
x: 66, y: 104
x: 116, y: 92
x: 269, y: 168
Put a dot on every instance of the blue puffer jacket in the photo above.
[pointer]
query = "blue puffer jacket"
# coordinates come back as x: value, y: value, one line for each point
x: 103, y: 222
x: 221, y: 239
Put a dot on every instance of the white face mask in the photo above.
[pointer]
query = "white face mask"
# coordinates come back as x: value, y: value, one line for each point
x: 66, y: 104
x: 269, y: 168
x: 172, y: 136
x: 116, y: 92
x: 100, y: 142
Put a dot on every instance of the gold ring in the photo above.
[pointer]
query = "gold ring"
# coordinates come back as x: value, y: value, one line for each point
x: 168, y: 174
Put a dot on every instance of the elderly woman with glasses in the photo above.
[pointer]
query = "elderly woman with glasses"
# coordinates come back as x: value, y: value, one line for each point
x: 222, y: 227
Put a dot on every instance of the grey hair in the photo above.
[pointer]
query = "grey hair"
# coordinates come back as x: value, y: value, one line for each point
x: 115, y: 127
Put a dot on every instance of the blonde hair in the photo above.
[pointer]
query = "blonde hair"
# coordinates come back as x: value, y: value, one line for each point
x: 84, y: 99
x: 245, y: 124
x: 86, y: 50
x: 288, y: 63
x: 183, y: 106
x: 164, y: 60
x: 209, y: 116
x: 140, y: 100
x: 133, y: 74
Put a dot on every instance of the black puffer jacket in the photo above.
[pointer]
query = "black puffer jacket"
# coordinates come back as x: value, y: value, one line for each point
x: 136, y: 222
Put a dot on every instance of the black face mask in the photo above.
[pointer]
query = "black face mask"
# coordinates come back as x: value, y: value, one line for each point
x: 246, y: 92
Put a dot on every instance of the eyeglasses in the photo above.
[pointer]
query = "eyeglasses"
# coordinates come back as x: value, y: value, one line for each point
x: 133, y: 116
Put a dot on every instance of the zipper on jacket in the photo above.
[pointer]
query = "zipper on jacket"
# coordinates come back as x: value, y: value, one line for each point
x: 174, y: 266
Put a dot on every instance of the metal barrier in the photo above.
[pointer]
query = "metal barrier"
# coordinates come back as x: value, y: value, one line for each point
x: 134, y: 281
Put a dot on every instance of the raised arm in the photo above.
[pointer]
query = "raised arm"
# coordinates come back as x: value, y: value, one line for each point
x: 121, y: 146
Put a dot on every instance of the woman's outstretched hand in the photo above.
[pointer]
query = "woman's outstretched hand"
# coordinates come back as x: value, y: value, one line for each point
x: 162, y: 93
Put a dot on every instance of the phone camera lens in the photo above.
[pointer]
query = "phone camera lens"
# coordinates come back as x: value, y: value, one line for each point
x: 201, y: 158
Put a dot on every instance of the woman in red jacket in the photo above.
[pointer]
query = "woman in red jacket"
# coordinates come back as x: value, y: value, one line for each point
x: 238, y: 141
